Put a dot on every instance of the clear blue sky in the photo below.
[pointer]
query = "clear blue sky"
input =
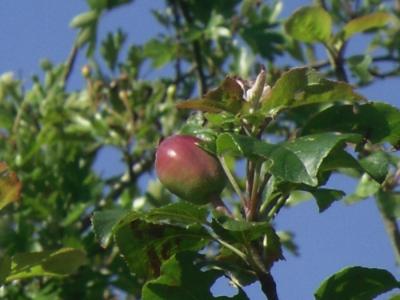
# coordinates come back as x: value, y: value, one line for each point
x: 341, y: 236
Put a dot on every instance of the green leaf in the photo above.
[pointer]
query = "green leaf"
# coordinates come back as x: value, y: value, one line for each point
x: 10, y: 186
x: 5, y: 268
x: 106, y: 4
x: 339, y: 159
x: 310, y: 24
x: 160, y: 51
x: 366, y: 187
x: 47, y: 263
x: 359, y: 65
x: 356, y: 283
x: 241, y: 145
x: 389, y: 203
x: 181, y: 279
x: 227, y: 97
x: 104, y: 223
x: 262, y: 40
x: 376, y: 165
x: 145, y: 246
x: 111, y: 47
x: 237, y: 231
x: 182, y: 213
x: 295, y: 161
x: 85, y: 19
x: 302, y: 86
x: 325, y: 197
x: 385, y: 126
x: 299, y: 161
x: 363, y: 23
x: 243, y: 232
x: 395, y: 297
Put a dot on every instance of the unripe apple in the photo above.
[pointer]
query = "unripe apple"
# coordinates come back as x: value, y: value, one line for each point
x: 188, y: 171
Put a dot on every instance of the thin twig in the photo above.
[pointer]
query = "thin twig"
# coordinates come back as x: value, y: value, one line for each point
x: 69, y: 64
x: 393, y: 231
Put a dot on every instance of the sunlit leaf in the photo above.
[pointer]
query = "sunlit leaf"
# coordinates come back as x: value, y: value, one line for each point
x: 356, y: 283
x: 302, y: 86
x: 296, y: 161
x: 310, y: 24
x: 366, y: 187
x: 47, y: 263
x: 84, y: 19
x: 363, y: 23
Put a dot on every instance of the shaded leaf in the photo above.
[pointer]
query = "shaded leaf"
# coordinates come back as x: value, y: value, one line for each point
x: 181, y: 279
x: 325, y: 197
x: 262, y: 40
x: 227, y: 97
x: 356, y: 283
x: 10, y: 186
x: 302, y: 86
x: 287, y: 241
x: 47, y: 263
x: 104, y: 222
x: 111, y: 47
x: 359, y: 65
x: 363, y: 23
x: 310, y: 24
x: 389, y: 203
x: 378, y: 122
x: 145, y: 246
x: 5, y: 268
x: 376, y: 165
x: 243, y: 232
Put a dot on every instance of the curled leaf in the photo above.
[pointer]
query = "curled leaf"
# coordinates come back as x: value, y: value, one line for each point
x: 10, y: 186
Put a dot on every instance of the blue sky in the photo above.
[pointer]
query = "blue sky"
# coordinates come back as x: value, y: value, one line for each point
x: 341, y: 236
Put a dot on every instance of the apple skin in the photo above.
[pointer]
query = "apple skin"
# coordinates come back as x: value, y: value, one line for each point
x: 188, y: 171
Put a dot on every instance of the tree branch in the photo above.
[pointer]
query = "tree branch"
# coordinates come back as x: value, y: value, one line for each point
x: 202, y: 80
x: 69, y: 64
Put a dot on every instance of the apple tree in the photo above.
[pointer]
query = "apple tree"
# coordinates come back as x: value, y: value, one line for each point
x: 232, y: 134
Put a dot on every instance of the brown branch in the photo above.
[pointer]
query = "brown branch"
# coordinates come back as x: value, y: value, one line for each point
x: 268, y: 285
x: 69, y: 64
x: 393, y: 231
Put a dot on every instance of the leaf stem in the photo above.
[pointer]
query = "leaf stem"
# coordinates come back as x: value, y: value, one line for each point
x: 277, y: 207
x: 232, y: 180
x: 254, y: 196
